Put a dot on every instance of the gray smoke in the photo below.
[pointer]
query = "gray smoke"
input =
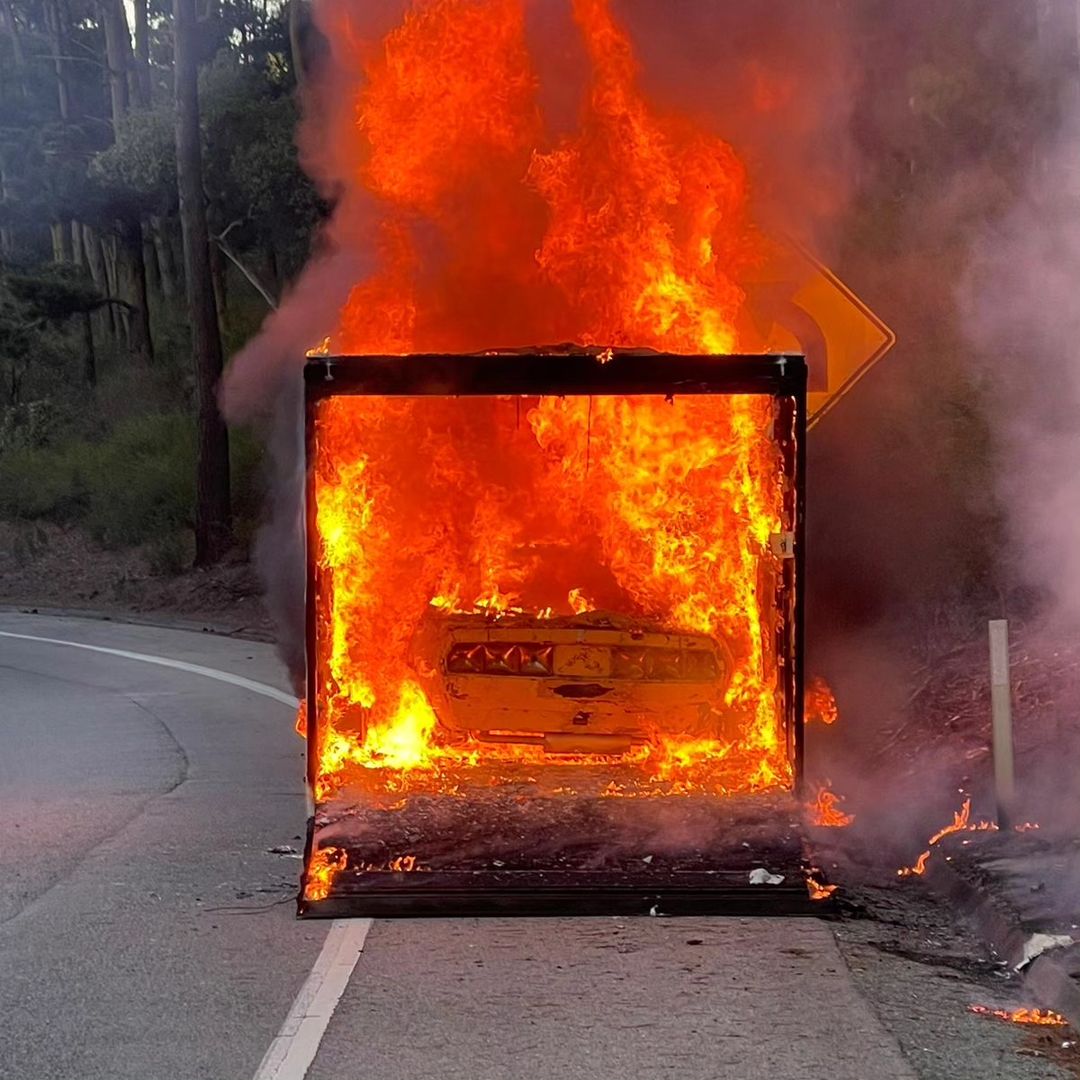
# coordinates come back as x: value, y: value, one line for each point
x: 263, y: 386
x: 1021, y: 304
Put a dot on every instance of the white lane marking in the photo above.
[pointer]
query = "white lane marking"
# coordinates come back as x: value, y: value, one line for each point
x: 164, y: 661
x: 294, y: 1049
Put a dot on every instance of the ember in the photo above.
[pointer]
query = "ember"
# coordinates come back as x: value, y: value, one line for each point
x: 404, y: 864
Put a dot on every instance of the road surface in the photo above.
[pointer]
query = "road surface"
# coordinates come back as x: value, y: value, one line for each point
x: 146, y: 929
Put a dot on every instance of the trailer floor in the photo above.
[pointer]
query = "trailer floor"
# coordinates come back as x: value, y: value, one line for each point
x: 513, y: 850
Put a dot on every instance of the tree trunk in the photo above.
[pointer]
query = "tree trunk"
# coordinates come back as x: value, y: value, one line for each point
x: 221, y: 290
x: 59, y: 242
x: 133, y: 290
x: 153, y: 271
x: 77, y: 243
x: 95, y: 262
x: 16, y: 47
x: 142, y: 54
x: 166, y: 264
x: 298, y: 17
x: 89, y: 355
x: 176, y: 246
x: 213, y: 516
x: 58, y: 40
x: 117, y: 56
x: 121, y: 318
x: 7, y: 197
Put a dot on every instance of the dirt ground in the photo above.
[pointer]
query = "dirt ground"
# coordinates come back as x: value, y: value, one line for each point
x: 46, y: 567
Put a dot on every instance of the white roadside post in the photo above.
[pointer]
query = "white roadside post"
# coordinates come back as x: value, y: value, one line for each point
x: 1001, y: 710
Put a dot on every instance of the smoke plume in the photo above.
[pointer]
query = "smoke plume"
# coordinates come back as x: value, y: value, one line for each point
x: 1019, y: 302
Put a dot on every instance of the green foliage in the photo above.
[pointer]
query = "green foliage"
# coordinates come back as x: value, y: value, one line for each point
x: 132, y: 487
x: 54, y: 293
x: 136, y: 485
x: 140, y: 166
x: 141, y: 480
x: 39, y: 483
x: 44, y: 155
x: 119, y: 457
x: 248, y: 483
x: 170, y: 554
x: 36, y: 352
x: 251, y: 168
x: 28, y: 424
x: 17, y: 326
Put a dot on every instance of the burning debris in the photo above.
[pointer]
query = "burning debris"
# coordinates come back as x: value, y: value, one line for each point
x: 818, y: 889
x: 825, y: 811
x: 323, y: 866
x: 961, y: 822
x: 1044, y: 1017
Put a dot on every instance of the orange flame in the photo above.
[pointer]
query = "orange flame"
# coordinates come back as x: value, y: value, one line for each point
x: 825, y: 811
x: 325, y: 865
x: 1045, y: 1017
x: 820, y: 703
x: 818, y: 890
x: 632, y: 231
x: 403, y: 864
x: 961, y: 822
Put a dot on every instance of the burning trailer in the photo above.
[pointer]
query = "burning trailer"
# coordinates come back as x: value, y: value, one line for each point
x: 554, y: 632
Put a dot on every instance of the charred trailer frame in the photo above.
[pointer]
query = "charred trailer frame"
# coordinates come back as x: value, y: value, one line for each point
x: 562, y: 373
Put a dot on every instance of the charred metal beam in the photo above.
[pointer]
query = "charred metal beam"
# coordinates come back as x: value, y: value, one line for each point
x: 556, y: 374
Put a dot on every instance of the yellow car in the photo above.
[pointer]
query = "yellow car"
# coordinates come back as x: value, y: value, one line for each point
x: 594, y: 683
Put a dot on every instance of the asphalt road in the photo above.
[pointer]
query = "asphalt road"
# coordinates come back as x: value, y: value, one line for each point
x: 147, y: 932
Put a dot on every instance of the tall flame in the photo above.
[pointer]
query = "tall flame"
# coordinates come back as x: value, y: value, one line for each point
x: 634, y: 231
